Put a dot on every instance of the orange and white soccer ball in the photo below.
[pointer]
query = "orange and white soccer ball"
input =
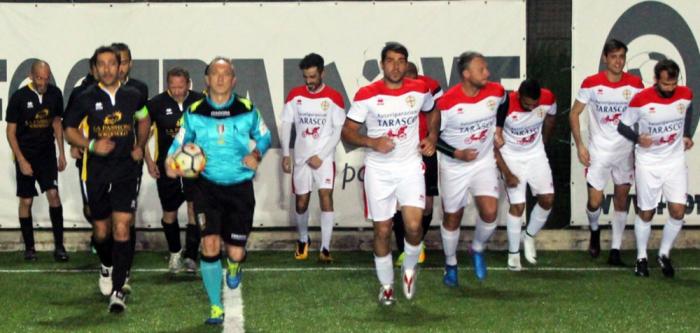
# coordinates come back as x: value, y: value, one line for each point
x: 190, y: 160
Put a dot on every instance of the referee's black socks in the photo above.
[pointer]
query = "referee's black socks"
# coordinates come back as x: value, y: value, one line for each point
x: 56, y: 215
x: 192, y: 237
x: 104, y: 249
x: 25, y: 224
x: 121, y: 255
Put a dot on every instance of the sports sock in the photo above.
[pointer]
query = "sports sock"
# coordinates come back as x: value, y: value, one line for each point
x: 450, y: 239
x: 210, y: 268
x: 385, y: 269
x: 326, y: 229
x: 513, y: 227
x: 641, y: 232
x: 671, y: 230
x: 172, y: 235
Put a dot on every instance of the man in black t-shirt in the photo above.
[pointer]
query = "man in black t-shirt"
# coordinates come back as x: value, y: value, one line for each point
x: 117, y: 131
x: 126, y: 63
x: 33, y: 123
x: 166, y: 111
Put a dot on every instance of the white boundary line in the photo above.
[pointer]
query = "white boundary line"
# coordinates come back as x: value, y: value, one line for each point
x: 344, y: 269
x: 233, y: 305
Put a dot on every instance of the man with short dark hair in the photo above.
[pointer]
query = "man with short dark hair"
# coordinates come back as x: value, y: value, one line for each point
x: 222, y: 125
x: 125, y: 65
x: 117, y: 128
x: 317, y: 113
x: 608, y: 154
x: 468, y: 165
x: 393, y: 165
x: 33, y: 123
x: 664, y: 115
x: 166, y: 111
x: 523, y: 129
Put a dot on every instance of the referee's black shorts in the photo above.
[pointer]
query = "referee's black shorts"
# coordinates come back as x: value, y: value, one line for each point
x: 45, y: 172
x: 225, y: 210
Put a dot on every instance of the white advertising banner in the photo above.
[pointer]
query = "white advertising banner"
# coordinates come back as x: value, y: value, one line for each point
x: 266, y: 42
x: 653, y: 30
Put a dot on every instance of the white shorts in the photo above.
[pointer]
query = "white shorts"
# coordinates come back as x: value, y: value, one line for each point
x: 457, y: 181
x: 385, y: 188
x: 304, y: 177
x: 621, y: 167
x: 670, y: 179
x: 530, y: 170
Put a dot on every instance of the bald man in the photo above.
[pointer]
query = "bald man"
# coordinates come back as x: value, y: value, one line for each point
x: 33, y: 125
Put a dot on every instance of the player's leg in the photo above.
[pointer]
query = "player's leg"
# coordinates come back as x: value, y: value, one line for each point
x: 410, y: 193
x: 516, y: 198
x: 381, y: 203
x: 46, y: 174
x: 325, y: 178
x: 302, y: 181
x: 453, y: 183
x: 26, y: 191
x: 674, y: 190
x: 121, y: 255
x: 597, y: 176
x: 648, y: 191
x: 171, y: 198
x: 487, y: 209
x: 431, y: 191
x: 383, y: 262
x: 208, y: 215
x: 101, y: 210
x: 236, y: 225
x: 623, y: 176
x: 192, y: 239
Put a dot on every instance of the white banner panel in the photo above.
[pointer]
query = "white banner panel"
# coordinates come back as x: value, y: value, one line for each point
x: 266, y: 42
x: 653, y: 30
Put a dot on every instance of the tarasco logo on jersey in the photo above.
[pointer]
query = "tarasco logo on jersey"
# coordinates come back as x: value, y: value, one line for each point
x: 627, y: 94
x: 491, y: 105
x: 325, y: 105
x: 410, y: 101
x: 313, y: 132
x: 113, y: 118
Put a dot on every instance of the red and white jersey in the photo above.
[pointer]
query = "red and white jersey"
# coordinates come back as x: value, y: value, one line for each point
x: 436, y: 91
x: 392, y: 113
x: 664, y: 120
x: 314, y: 116
x: 470, y: 122
x: 522, y: 130
x: 606, y: 102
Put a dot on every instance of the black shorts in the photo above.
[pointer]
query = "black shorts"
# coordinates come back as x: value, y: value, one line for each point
x: 431, y: 175
x: 172, y: 192
x: 225, y: 210
x: 83, y: 187
x: 45, y: 172
x: 107, y: 197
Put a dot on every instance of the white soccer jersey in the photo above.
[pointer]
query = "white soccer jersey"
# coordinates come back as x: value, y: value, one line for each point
x: 392, y: 113
x: 664, y: 120
x: 470, y: 122
x: 314, y: 116
x: 606, y: 102
x: 522, y: 130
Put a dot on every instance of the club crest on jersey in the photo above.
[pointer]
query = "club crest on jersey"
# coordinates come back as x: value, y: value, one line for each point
x: 313, y: 132
x: 599, y: 91
x: 491, y: 105
x: 514, y: 117
x: 113, y: 118
x: 460, y: 110
x: 299, y: 101
x: 380, y: 101
x: 680, y: 108
x: 627, y: 94
x: 30, y: 105
x: 540, y: 112
x: 410, y: 101
x: 325, y: 105
x: 652, y: 110
x: 399, y: 134
x: 98, y: 106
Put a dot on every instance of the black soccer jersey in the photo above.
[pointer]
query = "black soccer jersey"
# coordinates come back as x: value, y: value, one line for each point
x: 34, y: 114
x: 109, y: 118
x: 166, y: 115
x: 88, y: 81
x: 140, y: 86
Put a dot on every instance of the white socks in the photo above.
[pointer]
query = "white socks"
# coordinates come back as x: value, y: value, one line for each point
x: 641, y: 232
x: 450, y: 239
x: 326, y: 229
x: 411, y: 254
x: 618, y: 229
x: 482, y: 234
x: 302, y: 221
x: 513, y: 227
x: 593, y: 218
x: 671, y: 230
x: 538, y: 217
x: 385, y: 269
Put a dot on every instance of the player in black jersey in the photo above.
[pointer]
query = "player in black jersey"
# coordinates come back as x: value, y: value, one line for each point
x: 166, y: 111
x: 33, y: 123
x: 125, y: 69
x: 117, y: 129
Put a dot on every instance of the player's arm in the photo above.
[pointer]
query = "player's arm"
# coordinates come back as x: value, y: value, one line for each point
x: 337, y: 120
x: 549, y: 123
x: 150, y: 163
x: 466, y: 155
x: 285, y: 138
x: 687, y: 128
x: 575, y: 124
x: 626, y: 124
x: 510, y: 179
x: 57, y: 126
x: 12, y: 118
x: 263, y: 140
x: 427, y: 145
x: 501, y: 115
x: 184, y: 135
x: 143, y: 129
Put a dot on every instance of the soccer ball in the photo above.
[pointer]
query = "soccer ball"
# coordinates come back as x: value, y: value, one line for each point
x: 190, y: 160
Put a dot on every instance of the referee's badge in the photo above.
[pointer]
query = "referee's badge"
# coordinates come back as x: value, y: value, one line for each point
x: 221, y: 129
